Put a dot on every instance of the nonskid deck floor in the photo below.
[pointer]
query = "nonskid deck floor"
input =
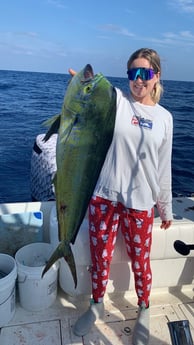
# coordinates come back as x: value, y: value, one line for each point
x: 53, y: 326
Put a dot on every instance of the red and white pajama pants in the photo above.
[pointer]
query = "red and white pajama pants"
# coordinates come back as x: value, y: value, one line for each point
x: 105, y: 217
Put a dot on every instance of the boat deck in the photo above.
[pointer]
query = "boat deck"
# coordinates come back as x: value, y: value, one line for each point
x: 53, y: 326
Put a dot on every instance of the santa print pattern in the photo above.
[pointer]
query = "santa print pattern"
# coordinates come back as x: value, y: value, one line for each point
x: 105, y: 218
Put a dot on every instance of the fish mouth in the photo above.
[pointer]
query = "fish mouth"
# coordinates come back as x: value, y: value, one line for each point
x: 88, y: 73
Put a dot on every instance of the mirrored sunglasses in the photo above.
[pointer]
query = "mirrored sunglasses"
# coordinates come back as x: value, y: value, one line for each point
x: 143, y: 73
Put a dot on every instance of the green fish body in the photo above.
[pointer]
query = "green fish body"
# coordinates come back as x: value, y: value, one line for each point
x: 84, y: 136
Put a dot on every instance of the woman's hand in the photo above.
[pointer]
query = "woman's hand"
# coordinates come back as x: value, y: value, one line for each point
x: 166, y: 224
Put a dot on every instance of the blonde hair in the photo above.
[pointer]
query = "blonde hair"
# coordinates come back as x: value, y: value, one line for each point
x: 152, y: 56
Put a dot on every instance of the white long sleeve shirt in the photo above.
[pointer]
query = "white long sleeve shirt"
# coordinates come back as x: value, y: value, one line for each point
x: 137, y: 168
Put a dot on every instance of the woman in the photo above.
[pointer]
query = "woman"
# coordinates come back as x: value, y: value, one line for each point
x: 136, y: 175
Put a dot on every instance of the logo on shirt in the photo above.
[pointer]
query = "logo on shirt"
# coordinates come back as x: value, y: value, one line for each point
x: 140, y: 121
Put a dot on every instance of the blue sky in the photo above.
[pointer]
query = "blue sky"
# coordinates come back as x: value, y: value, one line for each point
x: 53, y: 35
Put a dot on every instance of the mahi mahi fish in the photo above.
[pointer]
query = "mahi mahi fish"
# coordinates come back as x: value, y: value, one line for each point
x: 86, y: 126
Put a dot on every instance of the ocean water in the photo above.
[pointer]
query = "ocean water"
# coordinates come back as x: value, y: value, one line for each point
x: 27, y: 99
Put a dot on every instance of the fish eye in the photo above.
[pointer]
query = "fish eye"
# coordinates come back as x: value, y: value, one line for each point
x: 87, y: 88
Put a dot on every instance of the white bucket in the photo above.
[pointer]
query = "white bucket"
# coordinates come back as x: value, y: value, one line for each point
x: 36, y: 293
x: 8, y: 275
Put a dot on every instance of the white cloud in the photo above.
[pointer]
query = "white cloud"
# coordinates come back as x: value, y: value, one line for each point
x: 57, y: 3
x: 182, y: 36
x: 183, y: 5
x: 117, y: 29
x: 129, y: 11
x: 187, y: 34
x: 29, y: 43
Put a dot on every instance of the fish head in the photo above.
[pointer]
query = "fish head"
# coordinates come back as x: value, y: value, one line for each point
x: 85, y: 90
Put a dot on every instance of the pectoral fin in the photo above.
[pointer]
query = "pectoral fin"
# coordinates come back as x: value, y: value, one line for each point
x: 54, y: 124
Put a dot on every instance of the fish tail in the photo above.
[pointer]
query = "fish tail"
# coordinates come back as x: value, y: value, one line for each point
x: 71, y: 263
x: 63, y: 250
